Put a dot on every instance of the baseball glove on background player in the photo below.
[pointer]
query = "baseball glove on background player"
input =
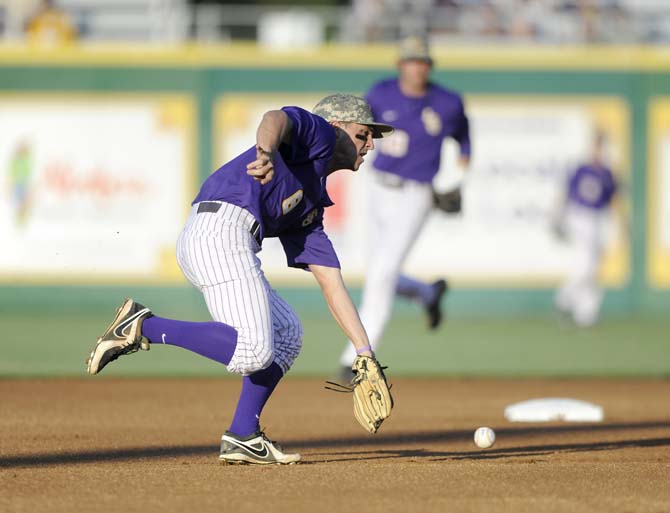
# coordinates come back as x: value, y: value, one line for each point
x: 372, y: 395
x: 449, y: 202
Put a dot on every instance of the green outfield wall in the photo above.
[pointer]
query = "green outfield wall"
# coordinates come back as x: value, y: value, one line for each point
x: 637, y: 76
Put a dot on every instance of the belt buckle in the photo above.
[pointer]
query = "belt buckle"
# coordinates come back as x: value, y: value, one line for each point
x: 390, y: 180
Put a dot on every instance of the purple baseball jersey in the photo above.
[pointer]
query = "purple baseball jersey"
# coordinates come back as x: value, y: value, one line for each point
x: 421, y: 124
x: 592, y: 186
x: 291, y: 205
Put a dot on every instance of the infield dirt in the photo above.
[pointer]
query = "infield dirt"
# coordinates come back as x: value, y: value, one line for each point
x: 151, y: 445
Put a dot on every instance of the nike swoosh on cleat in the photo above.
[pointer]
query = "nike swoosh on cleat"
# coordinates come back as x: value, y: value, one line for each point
x: 118, y: 331
x: 261, y: 454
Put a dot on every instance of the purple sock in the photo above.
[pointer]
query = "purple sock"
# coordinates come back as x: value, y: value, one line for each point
x: 414, y: 289
x: 256, y: 389
x: 214, y: 340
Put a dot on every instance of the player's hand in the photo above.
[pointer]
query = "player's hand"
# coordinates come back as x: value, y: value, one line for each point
x: 262, y: 169
x: 464, y: 162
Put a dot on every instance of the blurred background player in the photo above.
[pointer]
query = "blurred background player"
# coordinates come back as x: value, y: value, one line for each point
x: 401, y: 195
x: 582, y: 221
x: 276, y: 188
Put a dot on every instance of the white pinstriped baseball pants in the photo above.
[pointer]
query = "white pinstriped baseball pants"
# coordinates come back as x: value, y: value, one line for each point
x: 217, y: 254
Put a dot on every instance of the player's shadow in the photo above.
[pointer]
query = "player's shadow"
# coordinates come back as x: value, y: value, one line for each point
x: 392, y: 445
x: 106, y: 455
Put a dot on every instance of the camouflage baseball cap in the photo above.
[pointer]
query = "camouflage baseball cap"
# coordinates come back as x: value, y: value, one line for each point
x: 352, y: 109
x: 414, y: 48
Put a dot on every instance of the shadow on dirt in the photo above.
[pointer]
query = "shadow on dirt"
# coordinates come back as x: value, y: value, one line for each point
x: 508, y: 433
x: 376, y: 447
x: 107, y: 455
x: 491, y: 454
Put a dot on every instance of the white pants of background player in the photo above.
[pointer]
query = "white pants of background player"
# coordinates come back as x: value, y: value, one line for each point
x: 580, y: 295
x: 217, y: 254
x: 396, y: 213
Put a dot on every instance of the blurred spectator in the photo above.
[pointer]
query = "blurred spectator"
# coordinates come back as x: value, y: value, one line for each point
x: 412, y: 16
x: 615, y: 24
x: 527, y: 17
x: 588, y: 16
x: 605, y: 21
x: 50, y: 25
x: 383, y: 20
x: 480, y: 20
x: 470, y: 21
x: 490, y: 21
x: 369, y: 15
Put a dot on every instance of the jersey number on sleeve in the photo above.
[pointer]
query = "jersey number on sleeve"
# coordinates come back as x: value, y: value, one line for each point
x: 291, y: 202
x: 309, y: 218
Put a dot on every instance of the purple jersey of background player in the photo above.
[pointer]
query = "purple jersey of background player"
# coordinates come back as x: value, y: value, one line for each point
x: 279, y: 206
x: 421, y: 161
x: 592, y: 186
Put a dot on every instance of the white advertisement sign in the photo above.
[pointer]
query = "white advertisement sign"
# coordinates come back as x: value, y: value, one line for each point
x: 523, y: 150
x: 93, y: 188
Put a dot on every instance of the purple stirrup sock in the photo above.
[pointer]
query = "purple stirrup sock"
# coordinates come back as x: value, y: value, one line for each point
x: 214, y: 340
x: 414, y: 289
x: 256, y: 389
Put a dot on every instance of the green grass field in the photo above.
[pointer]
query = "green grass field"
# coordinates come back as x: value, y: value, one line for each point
x: 56, y: 344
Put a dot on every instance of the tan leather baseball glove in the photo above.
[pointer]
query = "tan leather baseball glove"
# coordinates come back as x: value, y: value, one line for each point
x: 372, y: 395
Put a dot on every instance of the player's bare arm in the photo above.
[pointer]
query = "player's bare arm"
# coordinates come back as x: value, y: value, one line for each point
x: 274, y: 128
x: 340, y: 305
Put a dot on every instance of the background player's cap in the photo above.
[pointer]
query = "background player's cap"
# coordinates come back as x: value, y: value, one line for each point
x: 414, y: 48
x: 353, y: 109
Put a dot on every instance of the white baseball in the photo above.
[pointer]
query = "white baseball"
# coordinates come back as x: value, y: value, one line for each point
x: 485, y: 437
